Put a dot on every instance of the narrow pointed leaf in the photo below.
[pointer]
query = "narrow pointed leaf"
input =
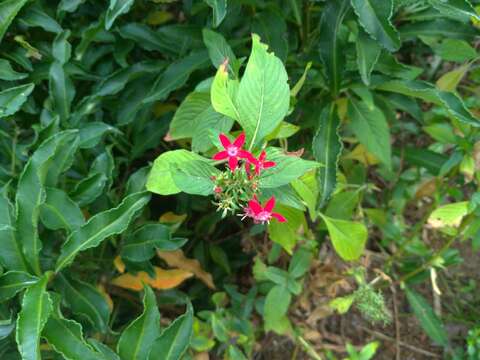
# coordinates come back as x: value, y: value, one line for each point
x: 8, y: 10
x: 14, y: 281
x: 368, y: 52
x: 62, y: 90
x: 117, y: 8
x: 102, y: 226
x: 7, y: 73
x: 219, y: 8
x: 59, y: 211
x: 13, y: 98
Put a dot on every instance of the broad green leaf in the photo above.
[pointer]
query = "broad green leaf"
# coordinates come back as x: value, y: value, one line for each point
x: 426, y: 91
x: 85, y: 301
x: 11, y: 255
x: 272, y: 28
x: 456, y: 8
x: 439, y: 27
x: 174, y: 341
x: 69, y: 5
x: 61, y: 48
x: 115, y: 9
x: 107, y: 353
x: 195, y: 177
x: 91, y: 133
x: 348, y: 237
x: 450, y: 80
x: 455, y: 50
x: 89, y: 189
x: 286, y: 234
x: 374, y: 16
x: 287, y: 168
x: 263, y: 95
x: 275, y: 309
x: 219, y: 8
x: 36, y: 309
x: 327, y: 147
x: 7, y: 73
x: 300, y: 262
x: 331, y: 44
x: 368, y: 52
x: 342, y: 204
x: 218, y: 49
x: 62, y: 90
x: 8, y: 10
x: 144, y: 36
x: 428, y: 159
x: 142, y: 243
x: 426, y: 316
x: 449, y: 215
x: 14, y: 281
x: 307, y: 188
x: 389, y: 65
x: 224, y: 93
x: 102, y: 226
x: 137, y: 339
x: 160, y: 179
x: 371, y: 129
x: 35, y: 16
x: 59, y: 211
x: 31, y: 193
x: 176, y: 75
x: 13, y: 98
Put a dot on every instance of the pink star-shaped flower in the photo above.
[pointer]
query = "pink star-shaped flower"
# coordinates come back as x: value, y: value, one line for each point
x: 262, y: 214
x: 261, y: 163
x: 233, y: 151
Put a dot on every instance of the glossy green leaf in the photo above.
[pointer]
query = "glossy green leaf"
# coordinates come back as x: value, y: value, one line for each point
x: 8, y: 10
x: 195, y: 177
x: 36, y: 309
x: 263, y: 95
x: 35, y: 16
x: 427, y: 317
x: 455, y: 8
x: 100, y: 227
x: 327, y: 147
x: 91, y: 133
x: 142, y: 243
x: 7, y: 73
x: 59, y: 211
x: 13, y: 98
x: 138, y: 338
x: 84, y: 300
x: 61, y: 48
x: 368, y: 52
x: 219, y: 8
x: 331, y: 44
x: 31, y: 193
x: 348, y: 237
x: 374, y: 16
x: 115, y: 9
x: 371, y: 129
x: 13, y: 282
x: 62, y: 90
x: 174, y: 340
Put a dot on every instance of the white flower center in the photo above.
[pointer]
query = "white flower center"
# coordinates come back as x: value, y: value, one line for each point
x: 232, y: 151
x: 264, y: 216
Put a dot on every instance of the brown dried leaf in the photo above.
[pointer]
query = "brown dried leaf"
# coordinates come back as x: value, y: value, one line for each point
x: 164, y: 279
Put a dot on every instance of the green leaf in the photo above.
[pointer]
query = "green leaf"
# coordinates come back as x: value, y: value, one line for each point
x: 286, y: 234
x: 455, y: 50
x: 31, y: 193
x: 14, y: 281
x: 371, y: 129
x: 61, y: 48
x: 91, y: 133
x: 138, y: 338
x: 224, y: 93
x: 60, y: 212
x: 13, y: 98
x: 160, y: 179
x: 300, y: 262
x: 449, y: 215
x: 62, y: 90
x: 456, y: 8
x: 427, y: 318
x: 331, y: 43
x: 374, y: 16
x: 36, y: 309
x: 66, y: 338
x: 348, y: 237
x: 428, y: 159
x: 11, y: 256
x: 426, y: 91
x: 287, y: 168
x: 272, y: 28
x: 368, y: 53
x: 8, y: 10
x: 263, y: 95
x: 439, y: 27
x: 35, y: 16
x: 218, y: 49
x: 101, y: 226
x: 219, y: 8
x: 195, y: 177
x: 327, y: 147
x: 450, y: 80
x: 7, y: 73
x: 174, y: 340
x: 142, y: 243
x: 275, y: 308
x: 85, y: 301
x: 115, y: 9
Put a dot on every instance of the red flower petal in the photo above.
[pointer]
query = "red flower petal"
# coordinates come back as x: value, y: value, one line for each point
x: 244, y: 154
x: 224, y: 140
x: 270, y: 204
x: 255, y: 206
x: 222, y: 155
x: 279, y: 217
x: 232, y: 163
x: 269, y: 164
x: 262, y: 156
x: 240, y: 140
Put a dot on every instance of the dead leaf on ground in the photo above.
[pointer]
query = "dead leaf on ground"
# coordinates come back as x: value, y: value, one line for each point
x: 164, y: 279
x: 178, y: 260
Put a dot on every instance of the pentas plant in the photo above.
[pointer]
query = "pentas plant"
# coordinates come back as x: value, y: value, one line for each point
x: 234, y: 186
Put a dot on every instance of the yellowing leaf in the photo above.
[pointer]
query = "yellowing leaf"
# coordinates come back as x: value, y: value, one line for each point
x: 449, y: 215
x: 361, y: 154
x: 173, y: 220
x: 450, y: 80
x: 164, y: 279
x: 119, y: 265
x: 161, y: 108
x: 342, y: 106
x: 159, y: 17
x: 177, y: 259
x: 106, y: 296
